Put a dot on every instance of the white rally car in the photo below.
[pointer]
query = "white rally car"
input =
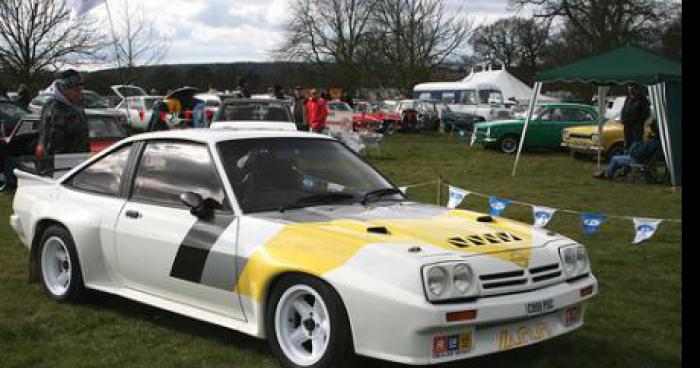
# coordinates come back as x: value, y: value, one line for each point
x: 292, y: 237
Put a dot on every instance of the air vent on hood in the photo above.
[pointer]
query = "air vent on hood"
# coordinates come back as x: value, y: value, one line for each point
x: 483, y: 239
x: 378, y: 230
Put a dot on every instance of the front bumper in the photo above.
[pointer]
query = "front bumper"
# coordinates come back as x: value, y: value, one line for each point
x: 420, y: 334
x: 580, y: 148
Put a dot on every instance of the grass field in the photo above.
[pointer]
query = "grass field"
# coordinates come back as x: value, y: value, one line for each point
x: 635, y: 321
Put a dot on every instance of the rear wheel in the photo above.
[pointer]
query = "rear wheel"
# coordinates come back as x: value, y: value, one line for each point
x: 307, y: 325
x: 508, y: 144
x: 61, y: 275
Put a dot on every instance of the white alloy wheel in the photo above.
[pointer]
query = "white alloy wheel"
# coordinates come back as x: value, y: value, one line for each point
x: 302, y: 325
x: 56, y: 267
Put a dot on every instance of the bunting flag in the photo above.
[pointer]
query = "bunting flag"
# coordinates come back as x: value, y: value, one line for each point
x: 456, y: 196
x: 403, y: 189
x: 542, y: 215
x: 498, y: 205
x: 644, y: 229
x: 591, y: 222
x: 81, y: 7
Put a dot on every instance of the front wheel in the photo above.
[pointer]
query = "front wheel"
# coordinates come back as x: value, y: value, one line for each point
x: 61, y: 276
x: 389, y: 127
x: 508, y: 144
x: 307, y: 325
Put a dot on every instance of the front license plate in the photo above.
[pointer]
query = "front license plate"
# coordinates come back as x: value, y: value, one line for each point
x: 520, y: 335
x: 540, y: 306
x: 450, y: 345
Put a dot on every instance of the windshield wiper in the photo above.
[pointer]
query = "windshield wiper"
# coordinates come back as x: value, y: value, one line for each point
x: 378, y: 193
x: 317, y: 199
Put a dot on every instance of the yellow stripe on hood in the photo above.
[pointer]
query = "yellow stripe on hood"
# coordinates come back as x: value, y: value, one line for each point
x: 319, y: 247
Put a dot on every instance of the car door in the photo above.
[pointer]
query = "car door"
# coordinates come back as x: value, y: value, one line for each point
x: 162, y: 248
x: 543, y: 127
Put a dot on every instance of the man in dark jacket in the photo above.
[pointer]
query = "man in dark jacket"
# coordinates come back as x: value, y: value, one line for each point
x: 635, y: 112
x: 63, y: 127
x: 299, y: 109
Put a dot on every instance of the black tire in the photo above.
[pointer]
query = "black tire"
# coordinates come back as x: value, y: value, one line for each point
x: 615, y: 149
x: 75, y: 286
x: 508, y: 144
x: 389, y: 127
x: 339, y: 351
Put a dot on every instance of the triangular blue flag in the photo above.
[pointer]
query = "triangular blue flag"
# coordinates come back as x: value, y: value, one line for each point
x: 591, y: 222
x: 498, y: 205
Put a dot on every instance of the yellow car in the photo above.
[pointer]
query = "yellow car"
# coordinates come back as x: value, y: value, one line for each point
x: 584, y: 140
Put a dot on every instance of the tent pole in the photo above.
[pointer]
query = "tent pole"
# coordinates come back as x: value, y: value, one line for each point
x: 658, y: 98
x: 602, y: 104
x: 530, y: 108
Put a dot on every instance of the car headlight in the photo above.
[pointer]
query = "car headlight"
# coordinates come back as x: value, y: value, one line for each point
x: 437, y: 281
x: 574, y: 260
x: 449, y: 281
x: 595, y: 138
x: 565, y: 136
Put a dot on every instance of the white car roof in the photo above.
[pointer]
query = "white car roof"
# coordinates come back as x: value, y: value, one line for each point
x: 206, y: 135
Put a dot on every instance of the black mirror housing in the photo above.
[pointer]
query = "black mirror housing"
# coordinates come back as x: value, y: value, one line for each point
x: 196, y: 204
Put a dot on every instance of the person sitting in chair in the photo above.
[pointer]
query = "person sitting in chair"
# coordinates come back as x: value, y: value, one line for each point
x: 639, y: 153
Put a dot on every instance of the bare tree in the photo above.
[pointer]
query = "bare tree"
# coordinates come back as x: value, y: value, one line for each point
x: 38, y: 34
x: 601, y: 24
x: 136, y: 41
x: 328, y: 31
x: 414, y: 36
x: 498, y: 41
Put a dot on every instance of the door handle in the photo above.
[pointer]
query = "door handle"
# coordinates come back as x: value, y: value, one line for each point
x: 133, y: 214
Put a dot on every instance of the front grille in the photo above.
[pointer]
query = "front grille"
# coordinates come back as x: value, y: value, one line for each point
x: 583, y: 136
x: 483, y: 239
x: 505, y: 281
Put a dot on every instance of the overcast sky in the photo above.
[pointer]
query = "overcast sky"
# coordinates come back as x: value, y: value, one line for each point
x: 205, y: 31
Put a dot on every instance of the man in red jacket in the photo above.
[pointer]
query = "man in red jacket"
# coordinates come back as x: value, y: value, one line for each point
x: 316, y: 112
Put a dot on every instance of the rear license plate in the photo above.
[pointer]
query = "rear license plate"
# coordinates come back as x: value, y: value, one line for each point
x: 540, y: 306
x: 451, y: 345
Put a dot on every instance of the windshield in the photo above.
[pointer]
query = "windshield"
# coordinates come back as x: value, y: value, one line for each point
x: 128, y: 91
x: 488, y: 96
x: 254, y: 111
x: 104, y: 127
x: 269, y: 174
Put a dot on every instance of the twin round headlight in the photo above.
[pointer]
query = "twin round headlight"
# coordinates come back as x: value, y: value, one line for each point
x: 574, y: 260
x: 449, y: 281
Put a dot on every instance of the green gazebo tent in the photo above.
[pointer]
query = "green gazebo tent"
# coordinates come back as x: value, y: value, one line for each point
x: 628, y: 64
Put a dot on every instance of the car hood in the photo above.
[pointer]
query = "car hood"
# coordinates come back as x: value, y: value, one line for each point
x: 611, y: 125
x: 437, y: 231
x: 499, y: 123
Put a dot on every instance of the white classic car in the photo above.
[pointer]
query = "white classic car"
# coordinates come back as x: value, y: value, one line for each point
x: 292, y: 237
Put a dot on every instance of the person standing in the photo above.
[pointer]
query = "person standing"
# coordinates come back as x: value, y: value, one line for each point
x: 24, y: 96
x: 243, y: 87
x: 63, y: 127
x: 316, y: 112
x: 635, y: 112
x: 298, y: 110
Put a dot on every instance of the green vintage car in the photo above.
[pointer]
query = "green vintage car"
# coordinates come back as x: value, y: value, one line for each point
x: 544, y: 130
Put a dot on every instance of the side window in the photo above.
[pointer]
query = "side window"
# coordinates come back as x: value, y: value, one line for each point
x: 168, y: 169
x: 105, y: 175
x: 27, y: 126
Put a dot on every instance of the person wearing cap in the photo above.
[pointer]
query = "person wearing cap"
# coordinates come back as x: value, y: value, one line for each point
x: 316, y: 112
x: 635, y: 112
x: 63, y: 126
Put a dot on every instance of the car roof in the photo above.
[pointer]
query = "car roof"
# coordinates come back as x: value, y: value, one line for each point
x: 565, y: 104
x: 206, y: 135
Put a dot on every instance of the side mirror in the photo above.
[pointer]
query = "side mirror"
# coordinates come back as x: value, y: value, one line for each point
x: 196, y: 204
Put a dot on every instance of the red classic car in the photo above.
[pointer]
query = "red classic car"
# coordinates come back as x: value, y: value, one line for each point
x: 375, y: 116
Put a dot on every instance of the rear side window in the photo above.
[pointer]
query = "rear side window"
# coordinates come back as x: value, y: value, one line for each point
x: 168, y: 169
x: 105, y: 175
